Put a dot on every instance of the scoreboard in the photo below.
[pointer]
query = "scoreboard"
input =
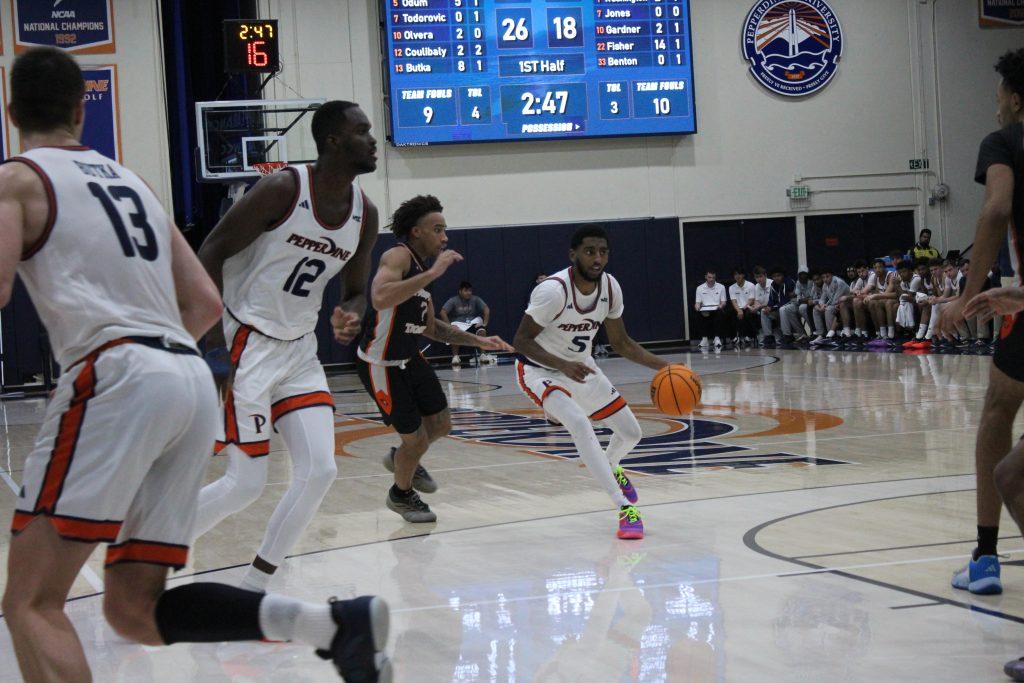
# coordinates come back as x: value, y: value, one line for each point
x: 489, y: 70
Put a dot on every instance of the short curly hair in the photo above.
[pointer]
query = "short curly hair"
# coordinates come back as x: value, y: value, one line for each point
x: 411, y: 211
x: 1011, y: 67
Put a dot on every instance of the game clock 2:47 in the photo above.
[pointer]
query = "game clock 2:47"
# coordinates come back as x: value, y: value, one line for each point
x: 251, y: 46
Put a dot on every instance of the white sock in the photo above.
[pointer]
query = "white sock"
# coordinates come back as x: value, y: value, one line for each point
x: 883, y: 332
x: 283, y: 618
x: 255, y: 580
x: 892, y: 332
x: 572, y: 417
x: 831, y: 333
x: 860, y: 332
x: 846, y: 331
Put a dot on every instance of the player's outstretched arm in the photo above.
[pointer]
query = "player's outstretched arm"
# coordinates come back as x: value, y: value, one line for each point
x: 259, y: 209
x: 347, y: 317
x: 446, y: 333
x: 389, y: 289
x: 625, y: 346
x: 198, y: 298
x: 988, y: 237
x: 526, y: 344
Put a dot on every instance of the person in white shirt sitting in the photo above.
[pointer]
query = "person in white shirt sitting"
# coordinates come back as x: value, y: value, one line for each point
x: 762, y: 293
x: 854, y: 302
x: 741, y: 296
x: 709, y: 302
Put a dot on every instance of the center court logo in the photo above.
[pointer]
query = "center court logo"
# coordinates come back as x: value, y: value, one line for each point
x: 688, y: 445
x: 793, y: 46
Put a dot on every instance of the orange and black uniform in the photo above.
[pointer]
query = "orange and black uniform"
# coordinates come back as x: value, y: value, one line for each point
x: 390, y: 365
x: 1007, y: 147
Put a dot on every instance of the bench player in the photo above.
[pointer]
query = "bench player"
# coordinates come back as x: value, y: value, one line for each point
x: 125, y: 441
x: 390, y: 366
x: 272, y: 255
x: 555, y: 369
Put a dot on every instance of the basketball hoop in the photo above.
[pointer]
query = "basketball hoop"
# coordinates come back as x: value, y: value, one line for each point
x: 268, y: 167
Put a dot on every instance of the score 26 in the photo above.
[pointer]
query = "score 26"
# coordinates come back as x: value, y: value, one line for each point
x: 515, y: 27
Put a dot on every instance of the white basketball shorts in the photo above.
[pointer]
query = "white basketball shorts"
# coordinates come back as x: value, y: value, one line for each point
x: 272, y: 378
x: 122, y: 452
x: 595, y: 395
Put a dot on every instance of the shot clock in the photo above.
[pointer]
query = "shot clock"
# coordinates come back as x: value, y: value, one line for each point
x: 251, y: 46
x: 490, y: 70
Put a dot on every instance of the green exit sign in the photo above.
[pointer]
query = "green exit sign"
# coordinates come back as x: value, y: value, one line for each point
x: 918, y: 164
x: 798, y: 192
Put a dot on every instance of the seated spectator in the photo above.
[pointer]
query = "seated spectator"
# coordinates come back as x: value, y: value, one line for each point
x: 851, y: 275
x: 709, y: 302
x: 796, y: 311
x: 942, y: 276
x: 741, y: 295
x: 854, y: 301
x: 469, y: 313
x: 881, y: 302
x: 907, y: 286
x: 923, y: 249
x: 825, y: 319
x: 921, y: 288
x: 762, y: 292
x: 781, y: 293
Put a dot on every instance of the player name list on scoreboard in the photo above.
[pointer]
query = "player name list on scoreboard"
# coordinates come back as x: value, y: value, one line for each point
x: 463, y: 70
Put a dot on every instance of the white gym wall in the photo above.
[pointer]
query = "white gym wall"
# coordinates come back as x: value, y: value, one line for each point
x: 876, y: 115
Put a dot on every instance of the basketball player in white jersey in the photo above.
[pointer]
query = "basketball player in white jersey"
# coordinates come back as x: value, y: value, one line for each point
x: 555, y: 369
x: 125, y: 441
x: 272, y: 255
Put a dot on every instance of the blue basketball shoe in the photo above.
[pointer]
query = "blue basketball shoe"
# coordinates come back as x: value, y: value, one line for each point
x: 980, y: 576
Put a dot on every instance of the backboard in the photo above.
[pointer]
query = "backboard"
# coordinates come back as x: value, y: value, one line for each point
x: 235, y: 134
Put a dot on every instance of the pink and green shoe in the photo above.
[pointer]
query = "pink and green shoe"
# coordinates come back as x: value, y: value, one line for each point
x: 625, y: 484
x: 630, y: 524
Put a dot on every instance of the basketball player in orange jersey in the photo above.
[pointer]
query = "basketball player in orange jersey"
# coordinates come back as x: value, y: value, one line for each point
x: 1001, y: 170
x: 272, y: 255
x: 125, y: 441
x: 398, y: 378
x: 556, y: 371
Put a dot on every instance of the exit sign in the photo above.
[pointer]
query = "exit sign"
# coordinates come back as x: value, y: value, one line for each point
x: 798, y: 192
x: 918, y: 164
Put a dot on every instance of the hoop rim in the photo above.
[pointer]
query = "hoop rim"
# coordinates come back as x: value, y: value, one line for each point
x: 268, y: 167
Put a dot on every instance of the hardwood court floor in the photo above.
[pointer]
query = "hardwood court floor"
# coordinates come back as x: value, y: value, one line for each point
x: 803, y: 526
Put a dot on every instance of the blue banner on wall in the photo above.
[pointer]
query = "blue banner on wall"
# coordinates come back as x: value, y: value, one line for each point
x: 1000, y: 13
x: 102, y: 130
x: 82, y: 26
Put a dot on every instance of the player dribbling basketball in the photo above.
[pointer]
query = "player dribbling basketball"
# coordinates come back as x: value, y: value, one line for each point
x: 555, y: 369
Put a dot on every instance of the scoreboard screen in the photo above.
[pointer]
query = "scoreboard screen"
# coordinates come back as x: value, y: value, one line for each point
x: 490, y: 70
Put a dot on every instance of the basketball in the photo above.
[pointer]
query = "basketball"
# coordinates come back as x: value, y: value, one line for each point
x: 676, y: 390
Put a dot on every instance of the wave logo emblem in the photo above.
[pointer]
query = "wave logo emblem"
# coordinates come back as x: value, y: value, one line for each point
x: 793, y: 46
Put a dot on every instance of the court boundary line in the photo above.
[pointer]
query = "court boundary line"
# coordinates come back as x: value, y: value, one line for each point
x: 750, y: 541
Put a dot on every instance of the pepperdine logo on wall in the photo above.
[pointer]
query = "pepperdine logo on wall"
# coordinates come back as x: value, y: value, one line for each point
x: 793, y: 46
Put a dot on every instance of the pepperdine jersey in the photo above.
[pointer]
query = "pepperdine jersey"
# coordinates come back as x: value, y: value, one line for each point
x: 392, y: 334
x: 101, y: 270
x: 276, y: 284
x: 569, y: 318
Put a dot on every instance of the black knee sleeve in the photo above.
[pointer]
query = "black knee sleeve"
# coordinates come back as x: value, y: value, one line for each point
x: 208, y: 613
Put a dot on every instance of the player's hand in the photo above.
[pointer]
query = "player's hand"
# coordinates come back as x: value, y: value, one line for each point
x: 995, y: 302
x: 739, y: 314
x: 345, y: 324
x: 444, y: 261
x: 495, y: 344
x: 952, y: 316
x: 576, y: 371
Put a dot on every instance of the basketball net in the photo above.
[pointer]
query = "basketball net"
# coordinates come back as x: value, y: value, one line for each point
x: 268, y: 167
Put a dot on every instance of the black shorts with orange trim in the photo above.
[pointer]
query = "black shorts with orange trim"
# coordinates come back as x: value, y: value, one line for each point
x: 406, y: 395
x: 1009, y: 355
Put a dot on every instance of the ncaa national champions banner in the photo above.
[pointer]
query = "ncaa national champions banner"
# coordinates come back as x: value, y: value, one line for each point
x: 102, y: 117
x: 80, y: 26
x: 1000, y: 13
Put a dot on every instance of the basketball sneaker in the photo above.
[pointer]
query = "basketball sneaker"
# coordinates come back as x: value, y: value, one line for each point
x: 625, y: 484
x: 411, y: 507
x: 980, y: 576
x: 630, y: 524
x: 456, y: 360
x: 421, y: 479
x: 1015, y: 669
x: 357, y: 647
